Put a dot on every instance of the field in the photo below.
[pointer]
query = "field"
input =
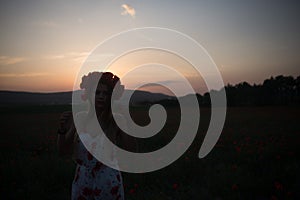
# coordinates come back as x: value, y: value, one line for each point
x: 256, y: 157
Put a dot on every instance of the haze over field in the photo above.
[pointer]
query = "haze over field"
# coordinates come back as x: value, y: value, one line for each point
x: 43, y: 43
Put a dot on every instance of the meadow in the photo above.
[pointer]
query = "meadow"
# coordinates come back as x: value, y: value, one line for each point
x: 256, y: 157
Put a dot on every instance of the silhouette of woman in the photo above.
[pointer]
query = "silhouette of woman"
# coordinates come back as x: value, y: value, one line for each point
x: 93, y: 179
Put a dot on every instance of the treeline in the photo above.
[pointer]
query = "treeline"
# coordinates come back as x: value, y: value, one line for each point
x: 281, y: 90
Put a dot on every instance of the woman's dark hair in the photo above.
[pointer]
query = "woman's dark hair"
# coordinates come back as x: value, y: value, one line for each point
x: 106, y: 78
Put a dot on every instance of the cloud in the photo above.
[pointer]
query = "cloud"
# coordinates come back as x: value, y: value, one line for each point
x: 6, y: 60
x: 45, y: 24
x: 100, y: 57
x: 128, y: 10
x: 14, y: 75
x: 80, y: 56
x: 74, y: 56
x: 77, y: 56
x: 54, y: 57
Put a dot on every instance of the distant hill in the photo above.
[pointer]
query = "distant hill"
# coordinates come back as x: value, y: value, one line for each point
x: 65, y: 98
x: 281, y: 90
x: 142, y: 97
x: 30, y: 98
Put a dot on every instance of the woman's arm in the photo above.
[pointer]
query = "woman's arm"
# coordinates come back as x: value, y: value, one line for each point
x: 66, y: 134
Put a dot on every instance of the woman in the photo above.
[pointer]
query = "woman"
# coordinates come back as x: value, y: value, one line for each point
x: 93, y: 180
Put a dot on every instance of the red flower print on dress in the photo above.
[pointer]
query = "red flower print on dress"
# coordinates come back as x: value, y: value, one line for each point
x: 79, y: 161
x: 89, y: 156
x: 97, y: 192
x: 96, y: 168
x: 81, y: 197
x: 87, y: 191
x: 114, y: 190
x: 77, y: 174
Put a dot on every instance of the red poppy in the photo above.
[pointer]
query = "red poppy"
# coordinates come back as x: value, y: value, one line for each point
x: 234, y: 167
x: 175, y: 186
x: 234, y: 187
x: 278, y: 186
x: 131, y: 191
x: 238, y: 149
x: 273, y: 197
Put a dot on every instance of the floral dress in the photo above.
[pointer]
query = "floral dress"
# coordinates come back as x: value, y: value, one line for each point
x: 94, y: 180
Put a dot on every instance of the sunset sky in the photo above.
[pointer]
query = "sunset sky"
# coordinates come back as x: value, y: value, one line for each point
x: 44, y: 43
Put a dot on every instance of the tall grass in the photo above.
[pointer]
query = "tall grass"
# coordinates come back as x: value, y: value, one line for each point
x: 255, y: 157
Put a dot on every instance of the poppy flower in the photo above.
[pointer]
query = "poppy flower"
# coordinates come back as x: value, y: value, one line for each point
x: 238, y: 149
x: 234, y: 187
x: 278, y: 186
x: 175, y: 186
x: 131, y: 191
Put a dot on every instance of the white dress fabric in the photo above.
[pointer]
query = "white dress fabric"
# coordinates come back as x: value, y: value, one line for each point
x: 93, y: 179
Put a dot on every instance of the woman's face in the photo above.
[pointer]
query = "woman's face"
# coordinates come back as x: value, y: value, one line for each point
x: 102, y: 97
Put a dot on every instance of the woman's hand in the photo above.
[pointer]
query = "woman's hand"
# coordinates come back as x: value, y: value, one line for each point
x: 66, y: 133
x: 66, y: 121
